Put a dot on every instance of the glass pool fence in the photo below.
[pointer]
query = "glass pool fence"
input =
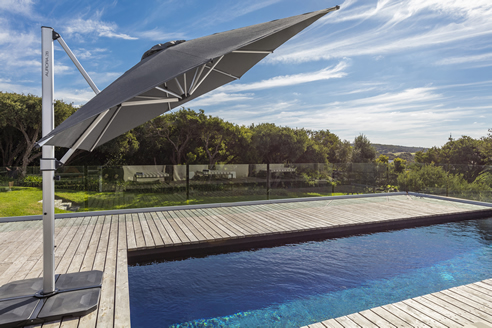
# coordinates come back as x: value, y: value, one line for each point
x: 94, y: 188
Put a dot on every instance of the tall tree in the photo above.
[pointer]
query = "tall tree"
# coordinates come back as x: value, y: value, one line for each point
x: 363, y: 152
x: 218, y: 137
x: 179, y: 130
x: 23, y: 113
x: 486, y: 147
x: 431, y: 155
x: 275, y: 144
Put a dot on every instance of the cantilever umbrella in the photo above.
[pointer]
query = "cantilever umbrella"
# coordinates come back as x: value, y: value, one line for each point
x: 168, y: 76
x: 172, y: 74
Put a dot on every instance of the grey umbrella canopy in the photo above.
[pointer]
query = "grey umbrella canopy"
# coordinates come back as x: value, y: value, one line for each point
x: 170, y: 75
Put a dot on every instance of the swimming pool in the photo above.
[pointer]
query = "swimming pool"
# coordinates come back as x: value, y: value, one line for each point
x: 295, y: 285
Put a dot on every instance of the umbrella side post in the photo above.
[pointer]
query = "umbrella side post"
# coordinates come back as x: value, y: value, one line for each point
x: 48, y: 162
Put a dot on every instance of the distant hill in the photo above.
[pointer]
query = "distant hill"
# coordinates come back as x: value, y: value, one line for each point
x: 393, y: 149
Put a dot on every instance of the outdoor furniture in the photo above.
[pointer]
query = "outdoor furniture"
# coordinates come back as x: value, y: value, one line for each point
x: 140, y: 176
x: 220, y: 174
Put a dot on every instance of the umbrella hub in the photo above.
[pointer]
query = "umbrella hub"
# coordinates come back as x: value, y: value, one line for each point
x: 159, y: 47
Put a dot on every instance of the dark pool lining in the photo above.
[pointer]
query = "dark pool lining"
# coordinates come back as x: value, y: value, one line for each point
x: 203, y: 249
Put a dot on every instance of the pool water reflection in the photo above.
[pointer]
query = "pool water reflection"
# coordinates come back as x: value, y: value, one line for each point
x: 295, y: 285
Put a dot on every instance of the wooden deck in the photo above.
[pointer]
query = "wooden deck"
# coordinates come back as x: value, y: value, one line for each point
x: 106, y: 242
x: 462, y: 306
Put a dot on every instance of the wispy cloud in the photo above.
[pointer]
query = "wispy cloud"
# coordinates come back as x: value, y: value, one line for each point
x: 76, y: 96
x: 63, y: 69
x: 287, y: 80
x: 97, y: 27
x: 216, y: 98
x: 416, y: 114
x: 22, y: 7
x: 477, y: 60
x: 95, y: 53
x: 394, y: 27
x: 224, y: 12
x: 158, y: 35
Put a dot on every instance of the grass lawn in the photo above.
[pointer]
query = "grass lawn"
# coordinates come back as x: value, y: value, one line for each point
x: 25, y: 201
x: 22, y: 201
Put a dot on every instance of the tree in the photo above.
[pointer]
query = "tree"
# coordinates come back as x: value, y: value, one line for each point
x: 423, y: 178
x: 382, y: 159
x: 464, y: 150
x: 11, y: 145
x: 117, y: 151
x: 179, y: 130
x: 399, y: 165
x: 432, y: 155
x: 23, y: 113
x: 275, y: 144
x: 486, y: 148
x: 363, y: 152
x: 343, y: 153
x: 218, y: 139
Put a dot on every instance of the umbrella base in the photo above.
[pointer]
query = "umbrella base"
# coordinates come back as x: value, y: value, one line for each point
x: 22, y: 302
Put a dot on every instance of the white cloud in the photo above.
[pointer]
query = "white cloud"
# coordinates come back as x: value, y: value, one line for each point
x: 95, y: 26
x: 215, y: 98
x: 63, y: 69
x: 393, y: 101
x: 15, y: 87
x: 287, y: 80
x: 482, y: 59
x: 157, y: 35
x: 77, y: 96
x: 96, y: 53
x: 393, y: 27
x: 104, y: 77
x: 223, y: 13
x: 23, y: 7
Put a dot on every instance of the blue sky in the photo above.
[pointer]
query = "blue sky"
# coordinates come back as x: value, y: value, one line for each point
x: 406, y: 72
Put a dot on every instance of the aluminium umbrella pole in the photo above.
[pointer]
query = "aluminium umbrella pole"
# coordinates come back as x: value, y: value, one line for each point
x: 48, y: 162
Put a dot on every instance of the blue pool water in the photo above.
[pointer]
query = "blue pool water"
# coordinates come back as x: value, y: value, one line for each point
x: 295, y: 285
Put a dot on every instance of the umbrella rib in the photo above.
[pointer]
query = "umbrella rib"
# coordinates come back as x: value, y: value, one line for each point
x: 197, y: 77
x: 194, y: 77
x: 225, y: 73
x: 106, y: 127
x: 168, y: 91
x: 206, y: 75
x: 86, y: 133
x: 150, y: 102
x: 252, y: 51
x: 179, y: 86
x: 184, y: 79
x: 148, y: 97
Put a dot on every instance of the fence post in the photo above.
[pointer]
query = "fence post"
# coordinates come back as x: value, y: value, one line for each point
x: 268, y: 181
x: 100, y: 178
x: 86, y: 187
x: 86, y: 179
x: 387, y: 174
x: 187, y: 181
x: 447, y: 181
x: 333, y: 181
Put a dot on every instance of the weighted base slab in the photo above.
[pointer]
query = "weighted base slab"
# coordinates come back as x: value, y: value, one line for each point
x: 22, y: 303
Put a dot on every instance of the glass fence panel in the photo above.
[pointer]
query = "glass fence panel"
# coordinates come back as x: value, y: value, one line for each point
x: 300, y: 180
x: 95, y: 188
x: 226, y: 183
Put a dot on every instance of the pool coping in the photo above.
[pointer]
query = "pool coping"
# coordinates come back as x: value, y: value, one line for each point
x: 233, y: 204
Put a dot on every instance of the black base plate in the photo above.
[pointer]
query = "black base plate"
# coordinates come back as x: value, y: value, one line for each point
x: 77, y: 295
